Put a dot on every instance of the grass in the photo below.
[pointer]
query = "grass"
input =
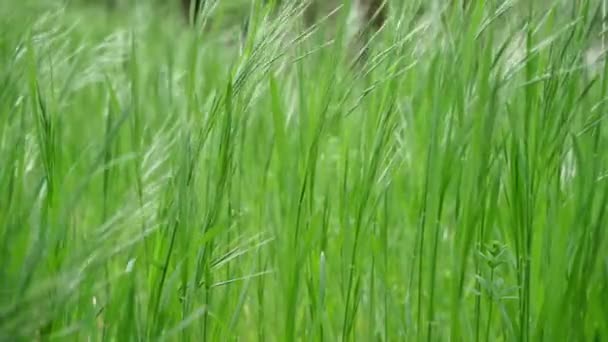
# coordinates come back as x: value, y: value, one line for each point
x: 158, y: 183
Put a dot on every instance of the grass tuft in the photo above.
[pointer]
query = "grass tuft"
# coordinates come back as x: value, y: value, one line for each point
x: 251, y: 178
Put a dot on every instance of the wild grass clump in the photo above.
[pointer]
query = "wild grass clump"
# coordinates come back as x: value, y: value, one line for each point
x: 251, y: 180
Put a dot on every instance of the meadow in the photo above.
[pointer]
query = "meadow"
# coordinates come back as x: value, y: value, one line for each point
x: 244, y: 179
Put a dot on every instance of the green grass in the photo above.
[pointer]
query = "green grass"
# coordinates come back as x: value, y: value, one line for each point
x: 164, y: 183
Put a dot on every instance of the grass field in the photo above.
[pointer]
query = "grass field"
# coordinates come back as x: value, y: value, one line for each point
x: 165, y: 183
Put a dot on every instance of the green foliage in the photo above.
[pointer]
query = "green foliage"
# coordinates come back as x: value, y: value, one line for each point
x: 214, y: 183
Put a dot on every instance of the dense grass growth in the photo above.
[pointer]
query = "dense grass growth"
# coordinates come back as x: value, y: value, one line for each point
x: 208, y: 185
